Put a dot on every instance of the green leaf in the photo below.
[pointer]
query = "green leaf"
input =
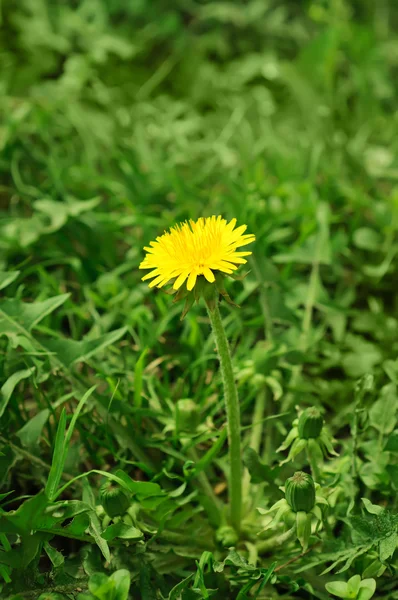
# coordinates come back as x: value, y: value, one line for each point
x: 180, y: 587
x: 259, y: 472
x: 71, y: 351
x: 5, y: 573
x: 26, y: 517
x: 123, y: 531
x: 392, y: 442
x: 2, y: 496
x: 234, y: 559
x: 337, y: 588
x: 143, y: 488
x: 303, y: 525
x: 62, y: 445
x: 392, y: 471
x: 38, y: 514
x: 16, y: 316
x: 353, y: 586
x: 138, y: 371
x: 23, y: 554
x: 7, y: 277
x: 382, y: 414
x: 387, y: 546
x: 56, y: 557
x: 367, y: 239
x: 115, y: 587
x: 373, y: 509
x: 95, y: 527
x: 367, y: 589
x: 57, y: 465
x: 9, y: 386
x: 30, y: 433
x: 147, y: 588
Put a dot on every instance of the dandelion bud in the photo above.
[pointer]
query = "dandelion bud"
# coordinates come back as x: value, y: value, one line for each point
x: 310, y: 423
x: 114, y: 500
x: 300, y: 492
x: 227, y: 536
x: 187, y: 415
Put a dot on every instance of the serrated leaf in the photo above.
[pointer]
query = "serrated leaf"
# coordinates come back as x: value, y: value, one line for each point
x: 234, y: 559
x: 16, y: 315
x: 72, y: 351
x: 26, y: 517
x: 38, y: 514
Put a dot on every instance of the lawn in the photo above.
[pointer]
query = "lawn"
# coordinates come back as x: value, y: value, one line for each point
x: 139, y: 458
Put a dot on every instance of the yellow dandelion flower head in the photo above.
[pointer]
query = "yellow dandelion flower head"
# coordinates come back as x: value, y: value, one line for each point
x: 195, y: 248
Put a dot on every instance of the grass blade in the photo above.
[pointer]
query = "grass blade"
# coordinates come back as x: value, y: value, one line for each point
x: 61, y: 447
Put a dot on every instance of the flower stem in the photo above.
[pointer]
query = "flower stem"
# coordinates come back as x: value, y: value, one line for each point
x: 233, y: 416
x: 213, y: 508
x: 316, y: 474
x: 277, y: 540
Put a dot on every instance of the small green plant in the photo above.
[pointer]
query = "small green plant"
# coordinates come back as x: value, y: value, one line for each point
x: 114, y: 500
x: 354, y: 588
x: 308, y: 433
x: 301, y: 506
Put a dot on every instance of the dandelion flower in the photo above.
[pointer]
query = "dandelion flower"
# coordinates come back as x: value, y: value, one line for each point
x: 195, y: 248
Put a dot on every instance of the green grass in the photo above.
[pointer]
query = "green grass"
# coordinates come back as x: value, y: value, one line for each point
x: 117, y: 121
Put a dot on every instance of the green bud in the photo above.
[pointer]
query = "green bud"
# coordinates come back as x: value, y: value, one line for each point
x: 227, y: 536
x: 300, y: 492
x: 187, y: 415
x: 114, y: 500
x: 310, y: 423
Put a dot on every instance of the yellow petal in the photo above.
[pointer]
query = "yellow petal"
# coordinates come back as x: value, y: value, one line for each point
x: 180, y: 280
x: 208, y: 273
x: 191, y: 281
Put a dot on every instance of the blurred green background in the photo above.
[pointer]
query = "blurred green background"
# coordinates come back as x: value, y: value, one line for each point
x: 119, y: 118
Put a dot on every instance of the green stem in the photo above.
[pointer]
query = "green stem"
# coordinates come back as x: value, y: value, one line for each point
x: 233, y: 417
x: 214, y: 508
x: 316, y: 474
x: 277, y: 540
